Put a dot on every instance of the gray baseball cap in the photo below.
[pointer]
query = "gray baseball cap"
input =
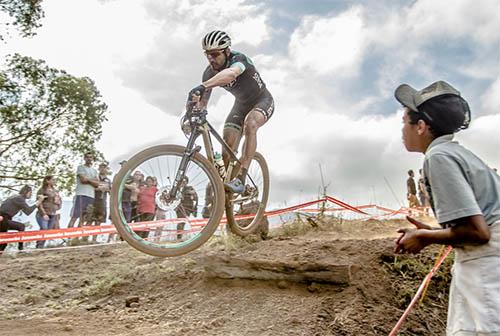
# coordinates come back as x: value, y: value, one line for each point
x: 413, y: 98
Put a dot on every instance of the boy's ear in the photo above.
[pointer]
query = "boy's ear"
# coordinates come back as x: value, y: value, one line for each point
x: 422, y: 127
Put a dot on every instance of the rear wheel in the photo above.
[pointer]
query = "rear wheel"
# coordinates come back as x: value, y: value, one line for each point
x: 166, y: 227
x: 252, y: 203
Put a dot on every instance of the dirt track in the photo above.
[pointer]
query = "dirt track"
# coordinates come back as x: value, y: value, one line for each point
x: 87, y: 291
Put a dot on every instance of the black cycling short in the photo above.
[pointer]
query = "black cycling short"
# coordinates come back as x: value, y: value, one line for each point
x: 263, y: 104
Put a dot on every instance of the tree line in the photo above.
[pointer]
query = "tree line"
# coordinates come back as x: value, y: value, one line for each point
x: 48, y: 117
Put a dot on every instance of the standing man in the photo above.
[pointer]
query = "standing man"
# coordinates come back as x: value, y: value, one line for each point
x: 101, y: 196
x: 411, y: 191
x: 11, y: 206
x: 423, y: 196
x: 252, y: 108
x: 465, y: 197
x: 86, y: 182
x: 188, y: 205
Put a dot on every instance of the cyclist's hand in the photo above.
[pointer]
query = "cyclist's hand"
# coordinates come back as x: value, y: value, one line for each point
x: 196, y: 93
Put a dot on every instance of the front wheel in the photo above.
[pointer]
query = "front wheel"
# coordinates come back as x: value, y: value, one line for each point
x: 245, y: 213
x: 152, y: 221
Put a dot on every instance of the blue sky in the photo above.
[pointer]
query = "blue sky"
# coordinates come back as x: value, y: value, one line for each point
x: 332, y: 67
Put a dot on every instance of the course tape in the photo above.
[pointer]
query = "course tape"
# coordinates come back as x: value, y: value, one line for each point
x: 422, y: 287
x: 27, y: 236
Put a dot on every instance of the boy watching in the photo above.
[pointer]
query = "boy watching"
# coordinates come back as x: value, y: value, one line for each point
x: 465, y: 197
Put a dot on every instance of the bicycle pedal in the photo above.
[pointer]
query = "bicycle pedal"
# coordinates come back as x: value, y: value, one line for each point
x: 249, y: 190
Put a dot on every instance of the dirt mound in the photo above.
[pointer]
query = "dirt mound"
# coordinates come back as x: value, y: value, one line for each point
x: 114, y: 290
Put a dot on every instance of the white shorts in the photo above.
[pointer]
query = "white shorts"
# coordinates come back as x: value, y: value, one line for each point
x: 474, y: 302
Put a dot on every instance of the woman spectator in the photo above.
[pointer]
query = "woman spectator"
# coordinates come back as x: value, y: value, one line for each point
x: 146, y: 204
x: 11, y: 206
x: 47, y: 210
x: 138, y: 178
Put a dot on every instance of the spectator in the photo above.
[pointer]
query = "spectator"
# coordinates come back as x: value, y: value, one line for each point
x: 465, y: 197
x: 146, y: 204
x: 46, y: 214
x: 101, y: 196
x: 209, y: 200
x: 57, y: 217
x: 422, y: 193
x: 138, y: 181
x: 127, y: 191
x: 86, y: 182
x: 188, y: 205
x: 159, y: 215
x: 11, y: 206
x: 411, y: 191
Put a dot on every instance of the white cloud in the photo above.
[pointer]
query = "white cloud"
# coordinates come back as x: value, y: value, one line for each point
x: 433, y: 20
x: 331, y: 83
x: 329, y: 44
x: 491, y: 98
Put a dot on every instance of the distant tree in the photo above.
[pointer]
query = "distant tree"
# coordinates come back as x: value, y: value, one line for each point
x: 24, y: 15
x: 48, y: 120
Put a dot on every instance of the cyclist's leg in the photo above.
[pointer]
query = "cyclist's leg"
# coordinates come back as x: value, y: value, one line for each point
x: 232, y: 132
x: 257, y: 117
x: 232, y: 137
x: 254, y: 120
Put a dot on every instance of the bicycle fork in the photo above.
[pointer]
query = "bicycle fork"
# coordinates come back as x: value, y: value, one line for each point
x: 189, y: 151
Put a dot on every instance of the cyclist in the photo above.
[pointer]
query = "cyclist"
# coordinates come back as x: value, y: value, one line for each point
x: 253, y: 105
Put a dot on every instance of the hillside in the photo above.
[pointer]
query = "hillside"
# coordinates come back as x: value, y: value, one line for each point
x: 115, y: 290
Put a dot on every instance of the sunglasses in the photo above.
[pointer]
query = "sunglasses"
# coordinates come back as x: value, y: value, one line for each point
x: 214, y: 53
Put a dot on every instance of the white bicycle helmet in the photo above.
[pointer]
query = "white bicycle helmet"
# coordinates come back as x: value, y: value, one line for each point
x: 216, y: 39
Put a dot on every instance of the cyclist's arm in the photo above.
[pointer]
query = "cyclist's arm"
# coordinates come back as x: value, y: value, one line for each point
x: 226, y: 76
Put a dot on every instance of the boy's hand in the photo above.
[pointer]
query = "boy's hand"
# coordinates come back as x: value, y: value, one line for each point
x: 409, y: 241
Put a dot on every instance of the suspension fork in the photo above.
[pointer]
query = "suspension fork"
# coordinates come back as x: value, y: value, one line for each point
x: 188, y: 152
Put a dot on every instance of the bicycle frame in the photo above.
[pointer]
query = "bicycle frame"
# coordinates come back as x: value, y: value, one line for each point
x: 200, y: 126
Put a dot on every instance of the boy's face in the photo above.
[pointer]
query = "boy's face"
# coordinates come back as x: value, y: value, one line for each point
x: 410, y: 134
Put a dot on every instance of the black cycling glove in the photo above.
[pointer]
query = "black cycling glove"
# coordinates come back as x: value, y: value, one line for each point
x: 197, y: 91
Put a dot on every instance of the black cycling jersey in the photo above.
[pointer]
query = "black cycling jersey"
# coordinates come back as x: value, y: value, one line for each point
x: 248, y: 86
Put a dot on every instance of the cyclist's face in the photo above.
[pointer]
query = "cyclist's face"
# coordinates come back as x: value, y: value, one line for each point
x: 216, y: 58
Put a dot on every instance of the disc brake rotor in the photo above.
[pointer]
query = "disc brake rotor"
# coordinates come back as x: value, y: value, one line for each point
x: 164, y: 201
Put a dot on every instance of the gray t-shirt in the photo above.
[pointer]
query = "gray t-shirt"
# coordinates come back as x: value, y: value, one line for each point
x: 85, y: 189
x: 459, y: 183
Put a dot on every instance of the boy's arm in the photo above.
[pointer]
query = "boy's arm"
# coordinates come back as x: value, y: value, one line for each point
x: 471, y: 230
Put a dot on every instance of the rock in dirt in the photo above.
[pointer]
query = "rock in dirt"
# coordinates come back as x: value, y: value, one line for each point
x: 313, y: 287
x: 134, y: 305
x: 282, y: 284
x: 106, y: 254
x: 230, y: 267
x: 130, y: 300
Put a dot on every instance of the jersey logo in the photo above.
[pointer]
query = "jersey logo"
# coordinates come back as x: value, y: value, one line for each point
x: 258, y: 80
x: 231, y: 84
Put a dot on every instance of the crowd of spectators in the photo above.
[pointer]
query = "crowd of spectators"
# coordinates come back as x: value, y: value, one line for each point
x: 90, y: 202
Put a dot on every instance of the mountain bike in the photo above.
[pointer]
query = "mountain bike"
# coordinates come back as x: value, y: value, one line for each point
x: 189, y: 197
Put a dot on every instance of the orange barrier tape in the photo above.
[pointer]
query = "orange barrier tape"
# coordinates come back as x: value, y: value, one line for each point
x: 427, y: 279
x: 27, y: 236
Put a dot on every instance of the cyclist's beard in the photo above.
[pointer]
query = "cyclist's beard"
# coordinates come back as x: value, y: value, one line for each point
x: 215, y: 66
